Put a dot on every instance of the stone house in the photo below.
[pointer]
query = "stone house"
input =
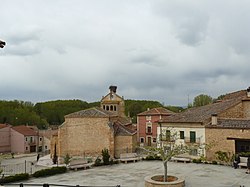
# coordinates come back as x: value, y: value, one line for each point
x: 88, y: 132
x: 5, y: 145
x: 223, y: 125
x: 147, y: 122
x: 229, y: 131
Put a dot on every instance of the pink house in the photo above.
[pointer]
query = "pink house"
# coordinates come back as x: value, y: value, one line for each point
x: 23, y: 139
x: 147, y: 125
x: 5, y: 145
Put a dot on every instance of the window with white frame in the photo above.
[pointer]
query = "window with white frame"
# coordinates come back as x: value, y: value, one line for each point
x: 148, y: 118
x: 141, y: 139
x: 148, y: 127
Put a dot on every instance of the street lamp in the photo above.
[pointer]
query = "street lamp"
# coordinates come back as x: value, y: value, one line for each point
x: 2, y: 44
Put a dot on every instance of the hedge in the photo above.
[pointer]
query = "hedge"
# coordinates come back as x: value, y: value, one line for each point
x: 50, y: 171
x: 14, y: 178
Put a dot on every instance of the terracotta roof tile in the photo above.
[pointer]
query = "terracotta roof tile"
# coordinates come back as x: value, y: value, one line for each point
x: 156, y: 111
x: 26, y: 131
x: 231, y: 123
x: 91, y: 112
x: 203, y: 113
x: 122, y: 130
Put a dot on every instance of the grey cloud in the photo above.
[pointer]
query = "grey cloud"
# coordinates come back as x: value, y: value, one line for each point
x: 188, y: 20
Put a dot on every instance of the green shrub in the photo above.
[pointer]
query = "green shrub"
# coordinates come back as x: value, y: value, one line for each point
x: 50, y: 171
x: 153, y: 157
x: 14, y: 178
x: 197, y: 161
x: 67, y: 159
x: 98, y: 162
x: 105, y: 156
x: 244, y: 154
x: 214, y: 162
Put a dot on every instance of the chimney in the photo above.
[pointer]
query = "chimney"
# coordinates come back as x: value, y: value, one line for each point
x: 112, y: 89
x: 248, y: 92
x: 214, y: 119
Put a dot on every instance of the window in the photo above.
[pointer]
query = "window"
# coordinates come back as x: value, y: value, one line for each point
x: 103, y: 107
x: 31, y: 139
x: 114, y: 108
x: 142, y: 140
x: 148, y: 127
x: 46, y: 147
x: 192, y: 137
x: 40, y: 139
x: 148, y: 118
x: 181, y: 134
x: 111, y: 107
x: 154, y: 140
x: 26, y: 139
x: 107, y: 107
x: 26, y: 148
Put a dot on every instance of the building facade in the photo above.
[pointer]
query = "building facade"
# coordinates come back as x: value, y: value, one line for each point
x: 147, y: 122
x: 88, y: 132
x: 23, y: 139
x: 221, y: 126
x: 5, y: 145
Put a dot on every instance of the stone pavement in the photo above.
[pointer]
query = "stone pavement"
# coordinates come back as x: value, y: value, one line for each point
x: 132, y: 175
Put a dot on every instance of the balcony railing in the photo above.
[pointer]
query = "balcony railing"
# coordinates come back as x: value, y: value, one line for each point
x: 191, y: 140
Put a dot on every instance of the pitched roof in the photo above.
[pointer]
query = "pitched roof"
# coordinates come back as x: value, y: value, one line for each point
x: 121, y: 130
x: 231, y: 123
x: 91, y: 112
x: 203, y: 113
x: 24, y: 130
x: 156, y: 111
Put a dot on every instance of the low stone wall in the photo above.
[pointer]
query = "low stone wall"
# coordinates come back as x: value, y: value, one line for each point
x: 152, y: 183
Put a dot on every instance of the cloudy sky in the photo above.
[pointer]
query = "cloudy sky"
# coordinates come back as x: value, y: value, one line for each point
x: 164, y: 50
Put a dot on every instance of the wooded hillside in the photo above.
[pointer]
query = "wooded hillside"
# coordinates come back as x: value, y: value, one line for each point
x: 52, y: 112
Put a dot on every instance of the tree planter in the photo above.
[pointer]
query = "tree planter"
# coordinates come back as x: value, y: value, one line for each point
x: 156, y: 181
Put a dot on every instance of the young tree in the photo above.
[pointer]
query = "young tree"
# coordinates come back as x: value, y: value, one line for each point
x: 167, y: 149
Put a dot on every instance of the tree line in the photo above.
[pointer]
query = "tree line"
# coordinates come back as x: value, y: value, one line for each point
x: 44, y: 114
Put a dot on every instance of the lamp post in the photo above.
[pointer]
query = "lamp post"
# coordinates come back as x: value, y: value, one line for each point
x: 2, y: 44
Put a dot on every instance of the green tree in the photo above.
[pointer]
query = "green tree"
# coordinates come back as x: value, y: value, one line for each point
x: 167, y: 149
x: 105, y: 156
x: 202, y: 100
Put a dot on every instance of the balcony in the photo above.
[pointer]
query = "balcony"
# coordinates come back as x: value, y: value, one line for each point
x: 189, y: 140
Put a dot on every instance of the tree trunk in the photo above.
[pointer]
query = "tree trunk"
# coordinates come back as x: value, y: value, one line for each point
x: 165, y: 163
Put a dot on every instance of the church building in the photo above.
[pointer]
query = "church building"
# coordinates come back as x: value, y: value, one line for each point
x: 88, y: 132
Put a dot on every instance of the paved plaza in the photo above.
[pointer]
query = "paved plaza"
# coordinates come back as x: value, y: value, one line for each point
x: 132, y: 175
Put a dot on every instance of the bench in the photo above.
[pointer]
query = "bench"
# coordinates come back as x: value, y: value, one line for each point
x: 125, y: 157
x: 243, y: 162
x: 79, y: 163
x: 179, y: 159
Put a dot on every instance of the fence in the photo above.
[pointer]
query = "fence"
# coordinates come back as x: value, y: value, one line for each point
x: 13, y: 169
